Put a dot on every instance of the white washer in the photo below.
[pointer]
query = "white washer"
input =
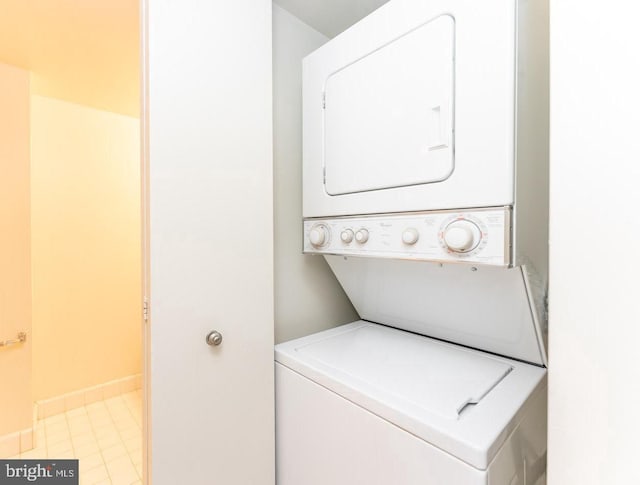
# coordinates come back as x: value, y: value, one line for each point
x: 365, y: 404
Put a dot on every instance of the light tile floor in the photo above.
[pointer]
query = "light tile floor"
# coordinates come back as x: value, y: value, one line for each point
x: 106, y: 436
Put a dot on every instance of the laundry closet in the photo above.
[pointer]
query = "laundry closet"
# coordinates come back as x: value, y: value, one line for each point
x: 424, y: 187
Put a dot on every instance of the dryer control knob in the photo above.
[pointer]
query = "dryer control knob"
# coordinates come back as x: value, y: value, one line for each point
x: 346, y: 236
x: 319, y: 235
x: 410, y: 236
x: 362, y: 236
x: 462, y: 236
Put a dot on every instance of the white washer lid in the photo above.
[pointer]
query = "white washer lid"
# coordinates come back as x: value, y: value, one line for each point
x: 420, y: 384
x: 403, y: 368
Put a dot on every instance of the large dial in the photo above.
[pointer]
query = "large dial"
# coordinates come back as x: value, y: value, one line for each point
x: 462, y: 236
x: 319, y: 235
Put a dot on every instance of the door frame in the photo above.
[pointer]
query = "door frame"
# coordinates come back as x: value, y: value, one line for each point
x: 145, y: 243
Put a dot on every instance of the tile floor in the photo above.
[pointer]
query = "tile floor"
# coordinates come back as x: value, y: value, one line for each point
x: 106, y: 436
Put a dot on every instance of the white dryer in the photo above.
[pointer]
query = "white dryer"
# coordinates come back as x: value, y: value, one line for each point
x: 434, y: 105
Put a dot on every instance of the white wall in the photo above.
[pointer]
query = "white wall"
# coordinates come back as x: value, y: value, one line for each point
x: 594, y: 372
x: 308, y: 298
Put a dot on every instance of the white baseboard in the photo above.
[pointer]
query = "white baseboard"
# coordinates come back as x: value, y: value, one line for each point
x: 82, y: 397
x: 15, y: 443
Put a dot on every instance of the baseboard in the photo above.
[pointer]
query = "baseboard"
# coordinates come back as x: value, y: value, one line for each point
x: 20, y: 441
x: 15, y: 443
x: 82, y: 397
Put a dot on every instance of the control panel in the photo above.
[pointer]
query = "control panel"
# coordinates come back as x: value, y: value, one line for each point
x: 481, y: 236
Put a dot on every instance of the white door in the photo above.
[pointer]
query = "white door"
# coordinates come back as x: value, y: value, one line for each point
x: 209, y: 173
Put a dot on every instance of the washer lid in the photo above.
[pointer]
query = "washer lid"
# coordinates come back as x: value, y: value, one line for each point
x: 405, y: 369
x: 460, y: 400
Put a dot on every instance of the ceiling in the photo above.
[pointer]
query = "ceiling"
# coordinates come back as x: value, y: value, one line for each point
x: 83, y: 51
x: 86, y: 51
x: 330, y: 17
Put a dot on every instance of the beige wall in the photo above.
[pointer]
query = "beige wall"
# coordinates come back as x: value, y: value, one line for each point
x: 308, y: 298
x: 85, y: 246
x: 15, y: 275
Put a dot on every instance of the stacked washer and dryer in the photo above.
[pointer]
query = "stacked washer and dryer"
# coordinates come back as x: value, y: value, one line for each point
x: 425, y: 188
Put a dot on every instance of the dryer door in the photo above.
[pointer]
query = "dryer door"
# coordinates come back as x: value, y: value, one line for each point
x: 412, y: 109
x: 388, y: 116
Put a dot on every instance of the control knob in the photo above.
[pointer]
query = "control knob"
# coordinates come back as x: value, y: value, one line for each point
x: 410, y: 236
x: 319, y: 235
x: 346, y: 236
x: 362, y: 236
x: 462, y: 236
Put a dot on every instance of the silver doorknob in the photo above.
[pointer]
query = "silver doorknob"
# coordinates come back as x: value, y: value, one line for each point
x: 214, y: 338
